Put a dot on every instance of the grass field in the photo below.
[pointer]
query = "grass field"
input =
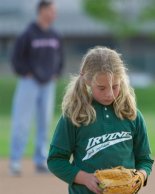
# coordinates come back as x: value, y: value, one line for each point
x: 145, y: 101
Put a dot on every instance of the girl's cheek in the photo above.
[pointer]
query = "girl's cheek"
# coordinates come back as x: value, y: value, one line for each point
x: 117, y: 93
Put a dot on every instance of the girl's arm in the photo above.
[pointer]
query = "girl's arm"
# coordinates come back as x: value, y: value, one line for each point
x: 59, y: 164
x: 143, y: 161
x: 144, y: 165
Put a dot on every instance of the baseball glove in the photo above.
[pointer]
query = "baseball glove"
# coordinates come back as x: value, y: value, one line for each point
x: 120, y: 180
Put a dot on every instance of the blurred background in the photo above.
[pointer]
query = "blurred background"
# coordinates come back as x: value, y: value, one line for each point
x: 128, y: 26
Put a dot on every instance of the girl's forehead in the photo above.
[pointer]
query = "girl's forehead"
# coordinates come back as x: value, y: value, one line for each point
x: 106, y: 78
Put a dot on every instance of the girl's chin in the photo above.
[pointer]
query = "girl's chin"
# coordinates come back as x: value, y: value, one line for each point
x: 106, y: 102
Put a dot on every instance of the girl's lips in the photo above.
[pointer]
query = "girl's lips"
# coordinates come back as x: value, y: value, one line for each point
x: 107, y: 102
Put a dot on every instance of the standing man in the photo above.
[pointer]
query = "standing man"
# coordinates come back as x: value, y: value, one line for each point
x: 37, y: 60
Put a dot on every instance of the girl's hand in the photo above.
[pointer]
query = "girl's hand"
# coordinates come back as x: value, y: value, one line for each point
x: 92, y: 183
x: 89, y: 180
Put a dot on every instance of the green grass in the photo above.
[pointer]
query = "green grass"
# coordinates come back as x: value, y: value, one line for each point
x: 145, y: 99
x: 150, y: 123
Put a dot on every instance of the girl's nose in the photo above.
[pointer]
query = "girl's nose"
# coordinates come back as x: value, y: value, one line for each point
x: 109, y: 94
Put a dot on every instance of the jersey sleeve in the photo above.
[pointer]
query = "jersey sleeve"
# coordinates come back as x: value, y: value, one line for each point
x: 60, y: 152
x: 59, y: 164
x: 65, y: 135
x: 141, y: 146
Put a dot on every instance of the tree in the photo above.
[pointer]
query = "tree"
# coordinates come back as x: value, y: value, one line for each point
x: 125, y: 18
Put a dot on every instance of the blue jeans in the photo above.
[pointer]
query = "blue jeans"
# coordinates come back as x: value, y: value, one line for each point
x: 31, y: 97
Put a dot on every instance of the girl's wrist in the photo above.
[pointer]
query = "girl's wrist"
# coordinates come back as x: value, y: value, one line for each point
x: 80, y: 177
x: 144, y: 173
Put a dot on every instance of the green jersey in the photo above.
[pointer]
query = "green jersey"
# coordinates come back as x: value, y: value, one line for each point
x: 108, y: 142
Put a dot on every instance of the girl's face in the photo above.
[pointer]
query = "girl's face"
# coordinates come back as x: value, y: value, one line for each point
x: 105, y: 88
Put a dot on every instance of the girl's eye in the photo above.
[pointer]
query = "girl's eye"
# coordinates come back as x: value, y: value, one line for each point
x: 115, y: 87
x: 101, y: 88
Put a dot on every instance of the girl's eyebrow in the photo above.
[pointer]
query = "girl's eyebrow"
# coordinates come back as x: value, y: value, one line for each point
x: 102, y: 86
x: 99, y: 85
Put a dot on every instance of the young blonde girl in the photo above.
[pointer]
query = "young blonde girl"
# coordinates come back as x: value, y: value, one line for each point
x: 100, y: 125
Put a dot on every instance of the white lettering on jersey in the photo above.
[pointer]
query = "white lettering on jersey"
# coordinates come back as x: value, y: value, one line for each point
x: 96, y: 144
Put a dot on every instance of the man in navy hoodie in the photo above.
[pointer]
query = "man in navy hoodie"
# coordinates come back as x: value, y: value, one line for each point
x: 38, y: 60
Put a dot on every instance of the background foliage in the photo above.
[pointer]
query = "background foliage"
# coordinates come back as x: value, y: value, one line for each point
x: 125, y: 18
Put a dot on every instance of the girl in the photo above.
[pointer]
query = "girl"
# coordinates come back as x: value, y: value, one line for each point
x: 100, y: 125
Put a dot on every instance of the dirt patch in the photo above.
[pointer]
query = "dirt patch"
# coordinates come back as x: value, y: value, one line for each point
x: 32, y: 183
